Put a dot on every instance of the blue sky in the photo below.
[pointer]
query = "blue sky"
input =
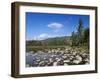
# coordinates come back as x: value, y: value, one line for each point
x: 40, y: 26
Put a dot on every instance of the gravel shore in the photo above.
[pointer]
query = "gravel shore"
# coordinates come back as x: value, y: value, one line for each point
x: 57, y: 57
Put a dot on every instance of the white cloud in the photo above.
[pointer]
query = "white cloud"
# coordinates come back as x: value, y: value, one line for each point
x: 55, y: 26
x: 41, y: 36
x: 45, y: 36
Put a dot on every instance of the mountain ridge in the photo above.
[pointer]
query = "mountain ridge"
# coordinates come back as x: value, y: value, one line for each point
x: 50, y: 41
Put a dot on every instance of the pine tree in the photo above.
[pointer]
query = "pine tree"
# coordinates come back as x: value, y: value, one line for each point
x: 77, y: 37
x: 80, y: 32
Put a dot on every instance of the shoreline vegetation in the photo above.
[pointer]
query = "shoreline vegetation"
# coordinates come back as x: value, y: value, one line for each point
x: 35, y: 49
x: 58, y: 51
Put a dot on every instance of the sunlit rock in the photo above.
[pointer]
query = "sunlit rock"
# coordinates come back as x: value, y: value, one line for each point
x: 55, y: 63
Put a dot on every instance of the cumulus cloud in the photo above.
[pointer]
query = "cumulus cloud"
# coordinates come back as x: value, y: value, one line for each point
x: 45, y: 36
x: 41, y: 36
x: 55, y: 26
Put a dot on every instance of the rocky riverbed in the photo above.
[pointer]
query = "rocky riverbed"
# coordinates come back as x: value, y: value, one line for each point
x: 57, y: 57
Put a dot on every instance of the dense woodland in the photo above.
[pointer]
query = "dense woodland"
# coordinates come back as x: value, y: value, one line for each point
x: 81, y: 37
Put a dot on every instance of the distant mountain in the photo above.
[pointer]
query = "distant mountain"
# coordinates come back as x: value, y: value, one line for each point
x: 65, y: 40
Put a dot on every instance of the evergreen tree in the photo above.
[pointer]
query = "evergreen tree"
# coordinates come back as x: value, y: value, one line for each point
x: 86, y: 36
x: 73, y: 38
x: 80, y: 32
x: 77, y: 38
